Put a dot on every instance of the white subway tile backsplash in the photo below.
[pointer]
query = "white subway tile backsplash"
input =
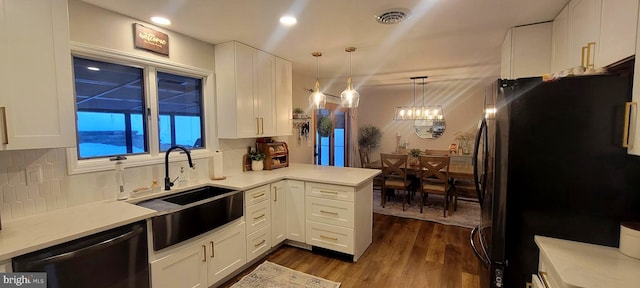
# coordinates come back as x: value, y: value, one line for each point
x: 17, y: 158
x: 17, y: 209
x: 21, y: 193
x: 3, y: 176
x: 15, y: 175
x: 41, y: 205
x: 52, y: 205
x: 8, y: 194
x: 5, y: 211
x: 29, y: 207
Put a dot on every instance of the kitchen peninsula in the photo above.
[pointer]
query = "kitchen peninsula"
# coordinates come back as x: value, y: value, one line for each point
x: 305, y: 205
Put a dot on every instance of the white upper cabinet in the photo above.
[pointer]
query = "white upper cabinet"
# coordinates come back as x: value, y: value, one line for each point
x: 634, y: 130
x: 599, y: 33
x: 584, y: 28
x: 246, y: 89
x: 617, y: 31
x: 284, y: 96
x: 526, y: 51
x: 36, y: 85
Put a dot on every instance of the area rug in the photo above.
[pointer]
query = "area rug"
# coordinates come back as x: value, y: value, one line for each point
x: 467, y: 215
x: 269, y: 274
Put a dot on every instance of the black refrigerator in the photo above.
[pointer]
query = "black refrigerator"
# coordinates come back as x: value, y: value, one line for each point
x: 550, y: 161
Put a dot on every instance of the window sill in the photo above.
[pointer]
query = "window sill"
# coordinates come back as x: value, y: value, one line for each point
x: 75, y: 166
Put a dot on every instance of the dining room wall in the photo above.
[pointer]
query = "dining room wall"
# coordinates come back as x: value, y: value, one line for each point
x: 462, y: 102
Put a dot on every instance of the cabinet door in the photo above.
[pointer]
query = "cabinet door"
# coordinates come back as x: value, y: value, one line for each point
x: 184, y: 268
x: 531, y: 50
x: 246, y: 91
x: 266, y: 94
x: 560, y: 41
x: 226, y: 252
x: 284, y: 94
x: 258, y: 216
x: 584, y: 28
x: 505, y: 59
x: 278, y: 212
x: 296, y: 211
x: 35, y: 79
x: 617, y: 31
x: 258, y: 243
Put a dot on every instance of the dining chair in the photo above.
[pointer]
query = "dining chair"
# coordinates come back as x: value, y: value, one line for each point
x: 463, y: 190
x: 434, y: 179
x: 364, y: 163
x: 394, y: 173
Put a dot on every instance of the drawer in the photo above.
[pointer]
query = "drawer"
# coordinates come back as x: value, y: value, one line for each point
x: 257, y: 195
x: 548, y: 275
x: 332, y: 212
x: 330, y: 237
x: 330, y: 191
x: 258, y: 242
x: 258, y: 216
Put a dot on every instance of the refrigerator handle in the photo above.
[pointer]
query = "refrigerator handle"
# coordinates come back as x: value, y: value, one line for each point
x: 629, y: 124
x: 482, y: 258
x: 476, y: 177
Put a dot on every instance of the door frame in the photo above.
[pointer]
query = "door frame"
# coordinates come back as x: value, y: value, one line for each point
x: 347, y: 134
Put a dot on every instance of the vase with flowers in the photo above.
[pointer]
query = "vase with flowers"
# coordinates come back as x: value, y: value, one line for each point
x: 464, y: 141
x: 414, y: 158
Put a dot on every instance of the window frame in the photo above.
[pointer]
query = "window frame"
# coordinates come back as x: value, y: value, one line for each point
x: 150, y: 68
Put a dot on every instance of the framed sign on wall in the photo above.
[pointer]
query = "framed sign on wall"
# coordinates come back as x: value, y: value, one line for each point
x: 151, y: 40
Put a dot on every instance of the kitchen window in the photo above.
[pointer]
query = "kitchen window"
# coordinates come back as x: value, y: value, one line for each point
x: 126, y: 106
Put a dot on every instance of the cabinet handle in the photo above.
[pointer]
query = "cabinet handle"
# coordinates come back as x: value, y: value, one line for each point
x: 330, y: 238
x: 213, y: 250
x: 582, y: 59
x: 257, y: 126
x: 5, y: 134
x: 204, y: 253
x: 328, y: 212
x: 543, y: 276
x: 256, y: 218
x: 329, y: 192
x: 258, y: 196
x: 262, y: 125
x: 629, y: 124
x: 589, y: 50
x: 260, y: 243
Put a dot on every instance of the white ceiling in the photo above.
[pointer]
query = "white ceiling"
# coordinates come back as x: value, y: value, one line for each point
x: 444, y: 39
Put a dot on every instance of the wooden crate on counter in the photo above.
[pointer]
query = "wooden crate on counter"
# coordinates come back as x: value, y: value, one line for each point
x: 277, y: 154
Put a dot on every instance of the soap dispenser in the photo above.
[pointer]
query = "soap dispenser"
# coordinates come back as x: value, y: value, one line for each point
x: 120, y: 181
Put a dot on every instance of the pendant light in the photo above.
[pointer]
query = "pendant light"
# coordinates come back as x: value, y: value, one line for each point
x: 317, y: 100
x: 433, y: 112
x: 350, y: 98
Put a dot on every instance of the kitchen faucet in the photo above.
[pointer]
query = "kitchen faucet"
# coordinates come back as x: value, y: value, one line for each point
x: 167, y: 181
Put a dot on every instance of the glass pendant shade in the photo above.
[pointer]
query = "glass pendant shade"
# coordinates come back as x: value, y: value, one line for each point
x: 317, y: 99
x: 350, y: 98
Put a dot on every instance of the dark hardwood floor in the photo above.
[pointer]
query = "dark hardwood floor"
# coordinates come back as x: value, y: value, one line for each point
x: 404, y: 253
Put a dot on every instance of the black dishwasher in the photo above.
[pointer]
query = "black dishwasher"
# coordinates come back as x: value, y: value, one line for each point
x: 117, y: 258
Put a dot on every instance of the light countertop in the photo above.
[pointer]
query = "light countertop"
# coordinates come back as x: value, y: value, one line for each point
x: 33, y: 233
x: 588, y: 265
x: 29, y: 234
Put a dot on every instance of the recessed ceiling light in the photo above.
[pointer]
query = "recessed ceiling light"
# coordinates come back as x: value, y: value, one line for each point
x: 160, y: 20
x: 93, y: 68
x: 288, y: 20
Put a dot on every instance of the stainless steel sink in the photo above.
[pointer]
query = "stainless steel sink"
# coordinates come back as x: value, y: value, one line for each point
x: 191, y: 213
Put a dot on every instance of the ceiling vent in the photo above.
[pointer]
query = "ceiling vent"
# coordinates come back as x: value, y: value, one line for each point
x: 393, y: 16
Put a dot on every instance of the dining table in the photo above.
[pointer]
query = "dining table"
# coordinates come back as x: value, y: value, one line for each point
x: 459, y: 171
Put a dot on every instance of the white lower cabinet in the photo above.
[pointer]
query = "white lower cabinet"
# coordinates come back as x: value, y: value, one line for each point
x: 296, y: 211
x: 258, y: 217
x: 339, y: 217
x: 204, y: 262
x: 278, y: 212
